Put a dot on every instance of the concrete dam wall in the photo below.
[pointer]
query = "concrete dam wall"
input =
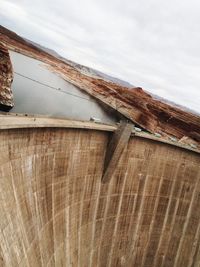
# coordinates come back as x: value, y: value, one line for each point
x: 55, y: 211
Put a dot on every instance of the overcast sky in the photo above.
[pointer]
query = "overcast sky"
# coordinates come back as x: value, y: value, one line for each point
x: 150, y: 43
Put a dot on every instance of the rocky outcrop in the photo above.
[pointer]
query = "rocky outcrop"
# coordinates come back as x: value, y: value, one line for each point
x: 154, y: 115
x: 6, y: 78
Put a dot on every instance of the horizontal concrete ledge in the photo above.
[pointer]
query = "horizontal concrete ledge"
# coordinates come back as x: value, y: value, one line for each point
x: 21, y: 121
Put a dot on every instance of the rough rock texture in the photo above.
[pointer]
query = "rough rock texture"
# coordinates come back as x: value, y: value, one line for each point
x: 136, y: 104
x: 6, y: 78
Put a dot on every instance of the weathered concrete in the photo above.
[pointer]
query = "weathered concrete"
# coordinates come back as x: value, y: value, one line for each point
x: 55, y: 211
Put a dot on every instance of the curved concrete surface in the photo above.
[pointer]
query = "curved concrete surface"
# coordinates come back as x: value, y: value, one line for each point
x: 56, y: 212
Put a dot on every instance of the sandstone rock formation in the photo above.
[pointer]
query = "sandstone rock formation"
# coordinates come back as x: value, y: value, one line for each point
x: 6, y: 78
x: 143, y: 109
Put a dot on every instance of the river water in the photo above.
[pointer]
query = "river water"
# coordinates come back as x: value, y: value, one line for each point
x: 37, y: 90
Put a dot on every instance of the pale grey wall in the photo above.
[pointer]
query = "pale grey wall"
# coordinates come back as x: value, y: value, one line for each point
x: 32, y: 97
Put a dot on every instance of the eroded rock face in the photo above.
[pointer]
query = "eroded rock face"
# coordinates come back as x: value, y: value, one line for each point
x: 151, y: 113
x: 6, y: 78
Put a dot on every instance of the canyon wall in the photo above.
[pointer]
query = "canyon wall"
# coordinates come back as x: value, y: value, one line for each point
x: 6, y: 78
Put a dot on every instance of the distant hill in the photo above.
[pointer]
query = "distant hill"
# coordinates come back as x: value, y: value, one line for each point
x: 152, y: 113
x: 86, y: 70
x: 100, y: 75
x: 83, y: 69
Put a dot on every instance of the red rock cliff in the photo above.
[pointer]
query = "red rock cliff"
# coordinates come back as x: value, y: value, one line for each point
x: 6, y: 78
x: 136, y: 104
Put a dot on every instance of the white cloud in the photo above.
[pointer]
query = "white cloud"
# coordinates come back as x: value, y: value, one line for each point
x: 12, y: 10
x: 154, y: 44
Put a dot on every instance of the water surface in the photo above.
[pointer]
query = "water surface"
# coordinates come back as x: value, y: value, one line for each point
x: 37, y: 90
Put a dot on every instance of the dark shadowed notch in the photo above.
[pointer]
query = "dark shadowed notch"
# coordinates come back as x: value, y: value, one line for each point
x: 6, y: 78
x: 119, y: 140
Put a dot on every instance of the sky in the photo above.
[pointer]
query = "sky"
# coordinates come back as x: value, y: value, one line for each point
x: 153, y: 44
